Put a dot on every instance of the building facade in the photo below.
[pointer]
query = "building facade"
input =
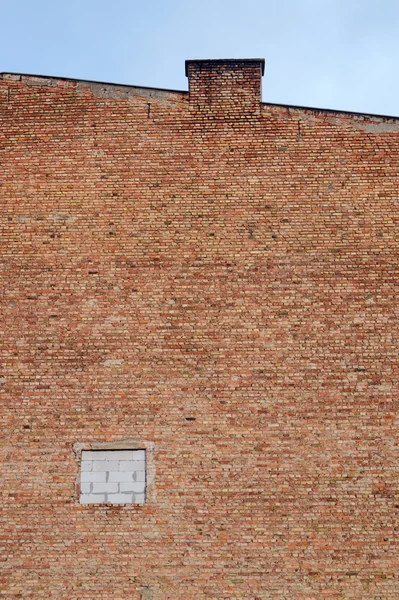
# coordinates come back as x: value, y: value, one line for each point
x: 200, y: 343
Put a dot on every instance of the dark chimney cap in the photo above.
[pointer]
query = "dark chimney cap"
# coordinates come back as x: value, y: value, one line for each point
x: 215, y: 61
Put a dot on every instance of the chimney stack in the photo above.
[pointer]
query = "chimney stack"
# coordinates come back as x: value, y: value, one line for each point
x: 226, y: 85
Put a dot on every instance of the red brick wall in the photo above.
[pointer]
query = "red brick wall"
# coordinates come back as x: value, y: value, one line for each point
x: 222, y: 284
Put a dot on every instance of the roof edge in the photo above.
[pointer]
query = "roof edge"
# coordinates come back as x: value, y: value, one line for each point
x: 331, y: 110
x: 89, y: 81
x: 168, y: 90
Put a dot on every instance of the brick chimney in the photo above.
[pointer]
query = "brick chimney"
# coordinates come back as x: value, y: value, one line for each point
x: 226, y: 85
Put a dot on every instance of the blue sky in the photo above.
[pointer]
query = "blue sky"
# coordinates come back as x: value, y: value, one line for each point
x: 324, y: 53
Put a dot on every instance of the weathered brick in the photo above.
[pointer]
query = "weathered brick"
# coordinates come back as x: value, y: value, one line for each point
x: 219, y: 277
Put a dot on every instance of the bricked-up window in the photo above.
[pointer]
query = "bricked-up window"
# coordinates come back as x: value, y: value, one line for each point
x: 113, y: 477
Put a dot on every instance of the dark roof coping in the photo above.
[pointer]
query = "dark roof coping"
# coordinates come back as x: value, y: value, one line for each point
x: 220, y: 61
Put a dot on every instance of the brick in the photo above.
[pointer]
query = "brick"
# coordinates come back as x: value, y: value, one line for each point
x: 213, y: 279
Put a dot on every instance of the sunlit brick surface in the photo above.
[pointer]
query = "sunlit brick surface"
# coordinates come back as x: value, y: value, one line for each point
x: 216, y: 277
